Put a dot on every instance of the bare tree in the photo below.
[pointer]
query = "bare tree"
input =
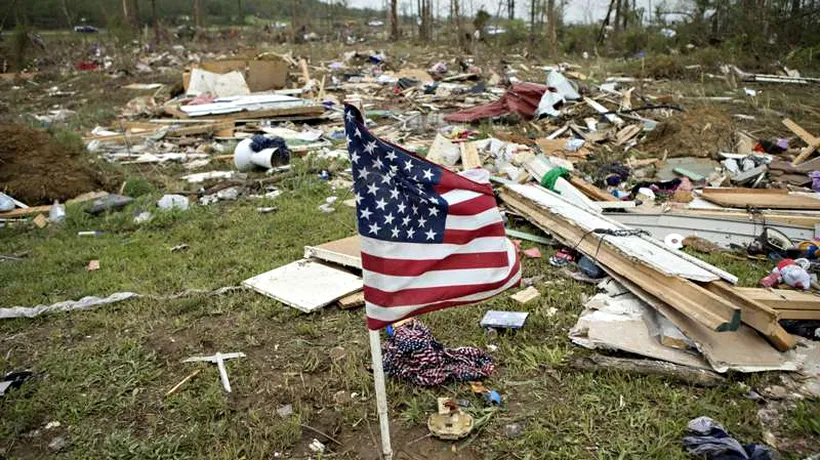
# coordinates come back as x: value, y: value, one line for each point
x: 456, y: 16
x: 155, y: 20
x: 510, y: 9
x: 552, y: 27
x: 130, y: 12
x: 67, y: 15
x: 394, y: 20
x: 199, y: 15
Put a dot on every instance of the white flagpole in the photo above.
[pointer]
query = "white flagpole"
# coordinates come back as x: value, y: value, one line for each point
x: 381, y: 393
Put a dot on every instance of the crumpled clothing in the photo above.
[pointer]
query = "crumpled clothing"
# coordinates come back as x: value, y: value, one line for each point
x: 711, y: 441
x: 414, y: 355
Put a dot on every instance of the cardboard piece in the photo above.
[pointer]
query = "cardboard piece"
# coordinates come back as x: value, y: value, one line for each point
x: 305, y: 284
x: 267, y: 75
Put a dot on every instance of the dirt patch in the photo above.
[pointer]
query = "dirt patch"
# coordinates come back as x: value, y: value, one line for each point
x: 698, y: 132
x: 37, y: 169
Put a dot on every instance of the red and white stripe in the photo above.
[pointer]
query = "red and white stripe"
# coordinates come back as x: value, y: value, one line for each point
x: 474, y: 262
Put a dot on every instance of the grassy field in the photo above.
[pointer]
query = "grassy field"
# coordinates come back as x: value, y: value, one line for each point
x: 102, y: 374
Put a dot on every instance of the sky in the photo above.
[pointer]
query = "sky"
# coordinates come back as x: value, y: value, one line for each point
x: 576, y: 11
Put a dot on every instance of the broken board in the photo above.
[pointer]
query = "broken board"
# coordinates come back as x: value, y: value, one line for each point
x: 743, y: 350
x: 305, y: 284
x: 620, y: 323
x: 346, y: 251
x: 758, y: 198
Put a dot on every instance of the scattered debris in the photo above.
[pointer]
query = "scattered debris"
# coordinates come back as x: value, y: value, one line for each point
x: 218, y: 359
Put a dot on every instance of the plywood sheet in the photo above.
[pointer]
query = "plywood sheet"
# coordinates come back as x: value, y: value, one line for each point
x: 346, y: 251
x: 305, y: 284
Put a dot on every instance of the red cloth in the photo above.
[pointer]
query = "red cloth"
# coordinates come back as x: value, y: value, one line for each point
x: 521, y: 98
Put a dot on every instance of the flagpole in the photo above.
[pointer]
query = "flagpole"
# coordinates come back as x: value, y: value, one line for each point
x: 381, y: 393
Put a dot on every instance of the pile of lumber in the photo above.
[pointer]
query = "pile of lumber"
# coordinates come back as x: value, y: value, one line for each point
x: 733, y: 328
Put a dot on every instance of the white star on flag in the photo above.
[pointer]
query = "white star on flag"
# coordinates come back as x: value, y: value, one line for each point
x: 374, y: 228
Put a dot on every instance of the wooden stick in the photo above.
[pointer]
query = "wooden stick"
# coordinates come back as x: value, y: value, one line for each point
x: 381, y: 393
x: 182, y: 382
x: 698, y: 377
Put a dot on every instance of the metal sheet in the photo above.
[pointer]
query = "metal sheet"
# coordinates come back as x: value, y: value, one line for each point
x: 722, y: 232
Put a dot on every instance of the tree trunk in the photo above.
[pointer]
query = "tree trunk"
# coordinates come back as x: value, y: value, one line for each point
x: 240, y: 12
x: 606, y: 21
x: 625, y: 14
x: 155, y: 21
x: 552, y: 35
x: 617, y: 15
x: 394, y: 20
x: 511, y: 9
x: 457, y: 18
x: 67, y: 15
x: 533, y: 20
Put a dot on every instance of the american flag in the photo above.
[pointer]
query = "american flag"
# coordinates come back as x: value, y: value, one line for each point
x: 430, y: 238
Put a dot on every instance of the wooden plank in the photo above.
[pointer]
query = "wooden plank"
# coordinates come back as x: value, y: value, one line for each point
x: 591, y: 190
x: 614, y: 119
x: 783, y: 299
x: 799, y: 314
x: 761, y: 200
x: 354, y: 300
x: 675, y: 372
x: 346, y: 251
x: 806, y: 152
x: 316, y: 110
x: 756, y: 314
x: 25, y: 212
x: 812, y: 141
x: 685, y: 296
x: 807, y: 137
x: 469, y: 156
x: 173, y: 132
x: 742, y: 350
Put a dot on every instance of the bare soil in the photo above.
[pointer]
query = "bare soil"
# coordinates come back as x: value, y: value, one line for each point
x: 698, y: 132
x: 37, y: 169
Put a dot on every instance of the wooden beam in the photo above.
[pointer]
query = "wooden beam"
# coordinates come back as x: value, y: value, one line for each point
x: 685, y: 374
x: 694, y: 301
x: 799, y: 131
x: 351, y: 301
x: 799, y: 314
x: 756, y: 314
x: 25, y: 212
x: 178, y: 132
x: 812, y: 141
x: 591, y: 190
x: 783, y: 299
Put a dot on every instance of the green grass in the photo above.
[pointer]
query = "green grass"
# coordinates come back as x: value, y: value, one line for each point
x: 103, y: 373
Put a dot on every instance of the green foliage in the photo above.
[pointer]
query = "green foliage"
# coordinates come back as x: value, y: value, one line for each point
x: 20, y: 45
x: 481, y: 19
